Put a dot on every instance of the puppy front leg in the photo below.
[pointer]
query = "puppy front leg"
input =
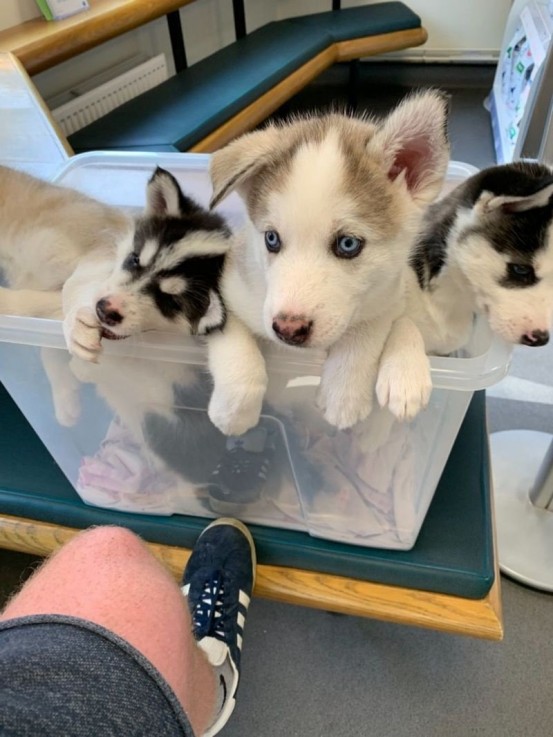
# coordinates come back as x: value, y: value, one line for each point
x: 81, y: 325
x: 239, y: 378
x: 404, y: 381
x: 63, y: 384
x: 349, y: 373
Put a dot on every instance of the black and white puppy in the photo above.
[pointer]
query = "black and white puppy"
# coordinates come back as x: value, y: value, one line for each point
x: 166, y: 275
x: 117, y: 275
x: 487, y: 248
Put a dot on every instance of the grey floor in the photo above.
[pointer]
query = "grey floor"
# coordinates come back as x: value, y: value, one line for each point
x: 308, y: 673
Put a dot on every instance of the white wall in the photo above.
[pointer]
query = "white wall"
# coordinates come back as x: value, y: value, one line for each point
x: 13, y: 12
x: 462, y: 26
x: 458, y: 29
x: 455, y: 27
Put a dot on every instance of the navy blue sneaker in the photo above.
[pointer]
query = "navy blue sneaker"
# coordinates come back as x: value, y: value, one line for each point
x: 217, y: 582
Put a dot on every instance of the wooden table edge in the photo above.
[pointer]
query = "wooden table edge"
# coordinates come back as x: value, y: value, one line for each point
x: 473, y: 617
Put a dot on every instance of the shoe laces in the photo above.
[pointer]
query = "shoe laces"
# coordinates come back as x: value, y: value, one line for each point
x: 209, y: 615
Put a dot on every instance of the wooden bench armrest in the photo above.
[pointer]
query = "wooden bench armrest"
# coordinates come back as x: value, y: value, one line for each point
x: 40, y: 44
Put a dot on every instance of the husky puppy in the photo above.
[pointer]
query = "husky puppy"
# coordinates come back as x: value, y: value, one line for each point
x: 488, y: 248
x: 335, y: 204
x: 164, y: 275
x: 111, y: 276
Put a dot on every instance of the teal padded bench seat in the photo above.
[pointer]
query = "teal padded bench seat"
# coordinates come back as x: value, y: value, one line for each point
x: 181, y: 112
x: 453, y: 554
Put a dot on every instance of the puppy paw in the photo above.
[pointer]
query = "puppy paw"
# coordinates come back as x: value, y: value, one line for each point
x: 83, y: 333
x: 235, y: 410
x: 343, y: 406
x: 405, y: 391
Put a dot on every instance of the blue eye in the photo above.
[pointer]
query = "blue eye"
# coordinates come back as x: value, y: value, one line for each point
x: 520, y: 275
x: 132, y: 261
x: 521, y: 269
x: 348, y: 246
x: 272, y: 241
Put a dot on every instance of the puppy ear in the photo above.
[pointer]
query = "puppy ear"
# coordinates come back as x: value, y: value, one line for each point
x: 233, y: 165
x: 164, y: 197
x: 413, y: 143
x: 513, y: 204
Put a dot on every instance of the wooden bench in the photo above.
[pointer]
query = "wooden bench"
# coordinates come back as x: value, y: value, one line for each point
x: 448, y: 581
x: 206, y: 105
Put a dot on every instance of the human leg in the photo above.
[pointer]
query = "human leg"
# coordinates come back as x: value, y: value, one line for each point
x: 108, y: 576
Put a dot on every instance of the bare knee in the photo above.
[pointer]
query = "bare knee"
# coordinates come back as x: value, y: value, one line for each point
x: 98, y: 573
x: 109, y: 542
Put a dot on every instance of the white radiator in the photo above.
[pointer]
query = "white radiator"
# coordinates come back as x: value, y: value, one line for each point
x: 74, y: 115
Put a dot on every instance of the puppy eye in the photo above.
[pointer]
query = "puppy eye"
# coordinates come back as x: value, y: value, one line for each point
x: 521, y: 272
x: 132, y: 261
x: 272, y: 241
x: 348, y: 246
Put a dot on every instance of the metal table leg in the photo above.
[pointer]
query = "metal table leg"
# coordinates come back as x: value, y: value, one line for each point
x: 522, y: 464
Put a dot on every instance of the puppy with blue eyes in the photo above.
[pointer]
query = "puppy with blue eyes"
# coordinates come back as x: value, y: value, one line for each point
x: 334, y: 205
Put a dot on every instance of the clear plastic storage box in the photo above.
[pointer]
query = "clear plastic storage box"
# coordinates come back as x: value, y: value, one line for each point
x: 132, y: 432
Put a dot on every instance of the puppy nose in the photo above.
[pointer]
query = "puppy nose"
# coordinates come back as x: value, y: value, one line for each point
x: 535, y: 338
x: 292, y: 329
x: 107, y: 313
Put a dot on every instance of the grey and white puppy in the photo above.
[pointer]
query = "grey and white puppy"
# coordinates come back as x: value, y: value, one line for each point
x: 334, y: 206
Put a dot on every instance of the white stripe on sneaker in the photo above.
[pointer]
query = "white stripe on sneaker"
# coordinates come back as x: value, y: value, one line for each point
x: 243, y: 598
x: 240, y: 620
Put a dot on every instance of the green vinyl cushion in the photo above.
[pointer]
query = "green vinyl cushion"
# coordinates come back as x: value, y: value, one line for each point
x: 189, y: 106
x: 360, y: 22
x: 453, y: 553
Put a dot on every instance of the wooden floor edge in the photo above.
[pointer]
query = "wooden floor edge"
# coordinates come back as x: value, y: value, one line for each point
x: 443, y: 612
